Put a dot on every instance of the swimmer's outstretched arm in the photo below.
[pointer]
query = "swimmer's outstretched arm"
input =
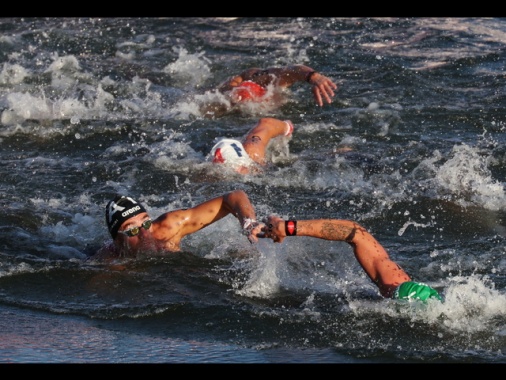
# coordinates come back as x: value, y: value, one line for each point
x: 322, y: 86
x: 370, y: 254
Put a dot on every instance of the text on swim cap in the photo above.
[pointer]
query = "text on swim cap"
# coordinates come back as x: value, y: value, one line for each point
x: 130, y: 211
x: 113, y: 207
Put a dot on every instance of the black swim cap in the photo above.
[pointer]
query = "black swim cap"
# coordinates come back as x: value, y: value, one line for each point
x: 118, y: 210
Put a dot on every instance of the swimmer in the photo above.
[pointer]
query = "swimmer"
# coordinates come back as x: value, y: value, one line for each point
x: 391, y: 280
x: 134, y: 232
x: 249, y: 155
x: 252, y: 84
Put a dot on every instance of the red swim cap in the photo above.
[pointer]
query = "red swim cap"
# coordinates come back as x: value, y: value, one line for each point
x: 247, y: 91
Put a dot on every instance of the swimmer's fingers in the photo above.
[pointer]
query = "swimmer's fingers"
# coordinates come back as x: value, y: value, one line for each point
x: 270, y: 229
x: 323, y: 87
x: 317, y: 95
x: 327, y: 93
x: 331, y: 84
x: 256, y: 232
x: 326, y: 89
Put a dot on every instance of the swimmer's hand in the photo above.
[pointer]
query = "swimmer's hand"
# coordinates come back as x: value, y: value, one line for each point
x: 322, y: 88
x: 253, y: 230
x: 273, y: 228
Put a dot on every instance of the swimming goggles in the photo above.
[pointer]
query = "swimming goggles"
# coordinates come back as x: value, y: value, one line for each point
x: 134, y: 231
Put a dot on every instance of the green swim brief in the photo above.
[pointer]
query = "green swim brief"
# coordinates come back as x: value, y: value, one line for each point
x: 415, y: 290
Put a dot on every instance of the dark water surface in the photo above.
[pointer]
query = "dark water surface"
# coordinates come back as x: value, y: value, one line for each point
x: 91, y: 107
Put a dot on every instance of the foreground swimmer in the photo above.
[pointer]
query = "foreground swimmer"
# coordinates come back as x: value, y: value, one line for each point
x: 252, y: 86
x: 249, y: 155
x: 135, y: 233
x: 389, y: 277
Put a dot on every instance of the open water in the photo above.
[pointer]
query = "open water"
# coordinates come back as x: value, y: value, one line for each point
x: 90, y: 107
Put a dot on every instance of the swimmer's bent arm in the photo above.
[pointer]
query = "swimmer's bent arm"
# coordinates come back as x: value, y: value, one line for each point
x: 236, y: 203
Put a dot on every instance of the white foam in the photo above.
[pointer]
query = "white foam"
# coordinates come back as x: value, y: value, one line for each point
x: 466, y: 174
x: 189, y: 69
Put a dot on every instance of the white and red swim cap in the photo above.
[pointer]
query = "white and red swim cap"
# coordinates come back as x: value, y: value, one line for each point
x: 230, y: 152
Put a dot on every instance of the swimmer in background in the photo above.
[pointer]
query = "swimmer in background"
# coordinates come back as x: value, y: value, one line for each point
x: 136, y: 234
x: 249, y: 155
x: 391, y: 280
x: 251, y: 86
